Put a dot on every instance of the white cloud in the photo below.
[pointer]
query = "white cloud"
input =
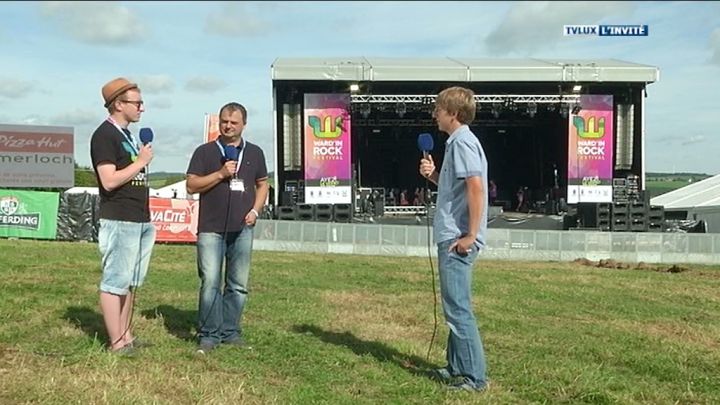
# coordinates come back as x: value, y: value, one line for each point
x: 161, y: 103
x: 77, y: 117
x: 693, y: 140
x: 715, y: 47
x: 156, y: 83
x: 235, y: 20
x: 205, y: 84
x: 97, y: 23
x: 533, y: 26
x: 15, y: 88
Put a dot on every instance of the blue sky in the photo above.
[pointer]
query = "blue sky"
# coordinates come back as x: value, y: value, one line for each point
x: 190, y: 58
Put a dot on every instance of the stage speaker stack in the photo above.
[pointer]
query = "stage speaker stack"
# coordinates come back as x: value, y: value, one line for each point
x: 638, y: 215
x: 620, y: 217
x: 603, y: 216
x: 633, y: 187
x: 342, y: 213
x: 323, y: 212
x: 286, y: 213
x: 305, y: 212
x: 620, y: 190
x: 656, y: 218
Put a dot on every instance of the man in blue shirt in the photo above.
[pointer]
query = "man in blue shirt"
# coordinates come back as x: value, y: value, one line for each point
x: 459, y: 230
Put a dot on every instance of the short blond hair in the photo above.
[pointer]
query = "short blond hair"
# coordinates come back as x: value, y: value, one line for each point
x: 458, y: 100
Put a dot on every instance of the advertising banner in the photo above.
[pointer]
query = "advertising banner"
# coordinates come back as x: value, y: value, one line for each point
x: 328, y: 172
x: 36, y: 156
x: 175, y: 220
x: 28, y: 214
x: 590, y: 151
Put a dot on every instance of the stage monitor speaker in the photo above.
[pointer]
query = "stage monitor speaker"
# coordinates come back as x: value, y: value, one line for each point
x: 286, y: 213
x: 323, y: 212
x: 342, y: 213
x: 305, y: 212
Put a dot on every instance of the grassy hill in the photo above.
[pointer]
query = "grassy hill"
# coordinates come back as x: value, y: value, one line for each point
x: 660, y: 183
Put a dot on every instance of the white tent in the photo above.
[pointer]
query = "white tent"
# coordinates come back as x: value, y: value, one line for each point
x: 175, y: 190
x: 701, y: 200
x: 80, y: 190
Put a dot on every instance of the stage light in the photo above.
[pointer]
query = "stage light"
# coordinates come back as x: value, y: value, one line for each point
x: 365, y: 110
x: 564, y: 111
x: 577, y: 88
x: 496, y: 110
x: 401, y: 109
x: 532, y: 109
x: 354, y: 87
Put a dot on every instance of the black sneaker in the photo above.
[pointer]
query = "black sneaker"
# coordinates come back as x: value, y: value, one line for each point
x: 466, y: 384
x: 237, y: 342
x: 205, y: 347
x: 441, y: 375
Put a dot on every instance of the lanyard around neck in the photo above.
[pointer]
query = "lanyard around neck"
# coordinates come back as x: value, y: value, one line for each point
x: 126, y: 134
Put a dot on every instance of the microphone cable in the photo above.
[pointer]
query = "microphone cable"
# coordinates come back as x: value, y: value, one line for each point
x: 136, y: 271
x: 428, y: 202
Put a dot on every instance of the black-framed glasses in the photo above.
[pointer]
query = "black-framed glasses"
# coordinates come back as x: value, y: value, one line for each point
x: 136, y: 103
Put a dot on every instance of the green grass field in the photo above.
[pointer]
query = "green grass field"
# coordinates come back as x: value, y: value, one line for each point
x: 355, y: 330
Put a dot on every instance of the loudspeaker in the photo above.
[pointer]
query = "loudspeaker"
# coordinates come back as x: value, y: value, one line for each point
x: 287, y: 213
x: 323, y: 212
x: 305, y: 212
x: 342, y: 213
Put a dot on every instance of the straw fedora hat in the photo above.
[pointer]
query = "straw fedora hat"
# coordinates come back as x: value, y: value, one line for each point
x: 116, y: 87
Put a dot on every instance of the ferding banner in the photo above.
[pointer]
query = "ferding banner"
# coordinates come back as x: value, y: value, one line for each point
x: 327, y: 149
x: 28, y: 214
x: 590, y: 151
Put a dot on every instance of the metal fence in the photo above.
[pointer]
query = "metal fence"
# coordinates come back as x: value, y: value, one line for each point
x: 503, y: 244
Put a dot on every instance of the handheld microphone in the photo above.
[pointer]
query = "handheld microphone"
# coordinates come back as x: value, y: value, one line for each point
x: 146, y: 136
x: 425, y: 143
x: 231, y: 153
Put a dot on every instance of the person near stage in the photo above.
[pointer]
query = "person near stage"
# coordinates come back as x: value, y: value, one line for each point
x: 459, y: 230
x: 125, y: 235
x: 232, y: 195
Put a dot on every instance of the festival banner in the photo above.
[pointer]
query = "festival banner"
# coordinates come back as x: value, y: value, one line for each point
x: 28, y: 214
x: 175, y: 220
x: 212, y: 127
x: 328, y: 172
x: 590, y: 150
x: 36, y: 156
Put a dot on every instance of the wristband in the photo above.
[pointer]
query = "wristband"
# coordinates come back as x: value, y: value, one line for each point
x: 255, y: 212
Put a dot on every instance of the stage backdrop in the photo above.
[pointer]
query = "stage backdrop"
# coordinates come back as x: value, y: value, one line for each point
x: 175, y: 220
x: 36, y: 156
x: 328, y: 170
x: 590, y: 151
x: 28, y: 214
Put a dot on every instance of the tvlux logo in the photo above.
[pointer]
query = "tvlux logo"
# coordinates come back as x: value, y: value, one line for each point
x: 606, y: 30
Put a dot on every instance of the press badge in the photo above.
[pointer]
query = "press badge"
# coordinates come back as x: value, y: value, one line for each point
x: 237, y: 185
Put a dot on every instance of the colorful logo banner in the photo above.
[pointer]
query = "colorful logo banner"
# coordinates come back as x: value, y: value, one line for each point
x: 174, y: 220
x: 328, y: 173
x: 590, y: 150
x: 28, y: 214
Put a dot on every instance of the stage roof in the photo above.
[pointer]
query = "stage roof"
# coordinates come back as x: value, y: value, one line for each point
x: 704, y: 193
x: 463, y: 70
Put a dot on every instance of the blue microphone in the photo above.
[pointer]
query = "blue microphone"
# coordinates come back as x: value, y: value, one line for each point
x: 231, y: 153
x: 425, y: 143
x: 146, y: 136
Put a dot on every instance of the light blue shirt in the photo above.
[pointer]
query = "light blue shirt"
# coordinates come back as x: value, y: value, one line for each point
x: 464, y: 157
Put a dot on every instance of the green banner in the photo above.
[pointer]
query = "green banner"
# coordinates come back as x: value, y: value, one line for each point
x: 28, y: 214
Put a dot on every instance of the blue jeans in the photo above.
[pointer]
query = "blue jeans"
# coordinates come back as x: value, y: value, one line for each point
x: 220, y: 309
x: 465, y: 354
x: 125, y: 248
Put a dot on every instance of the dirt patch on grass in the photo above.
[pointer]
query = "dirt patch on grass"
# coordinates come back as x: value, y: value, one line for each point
x: 615, y: 264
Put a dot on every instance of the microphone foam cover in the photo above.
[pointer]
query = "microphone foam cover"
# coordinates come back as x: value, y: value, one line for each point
x: 231, y: 152
x: 425, y: 142
x: 146, y: 135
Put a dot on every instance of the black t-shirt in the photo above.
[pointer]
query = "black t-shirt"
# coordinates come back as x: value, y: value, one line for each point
x: 128, y: 202
x: 214, y: 211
